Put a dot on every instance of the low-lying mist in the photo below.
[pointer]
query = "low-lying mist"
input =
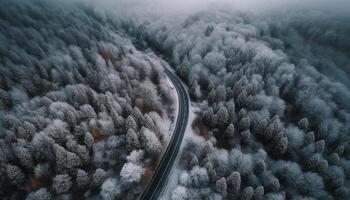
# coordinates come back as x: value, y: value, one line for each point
x: 83, y: 97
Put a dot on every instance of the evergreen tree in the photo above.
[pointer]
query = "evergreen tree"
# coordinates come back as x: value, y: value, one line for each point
x: 222, y: 117
x: 221, y: 186
x: 130, y: 123
x: 247, y: 193
x: 230, y: 130
x: 195, y: 90
x: 132, y: 140
x: 234, y: 182
x: 82, y: 179
x: 220, y: 95
x: 88, y: 140
x: 15, y: 175
x: 303, y: 123
x: 258, y: 193
x: 98, y: 177
x: 40, y: 194
x: 209, y: 117
x: 62, y: 183
x: 24, y: 156
x: 244, y: 123
x: 211, y: 97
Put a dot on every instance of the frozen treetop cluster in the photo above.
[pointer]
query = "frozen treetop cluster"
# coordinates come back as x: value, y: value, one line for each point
x: 79, y: 105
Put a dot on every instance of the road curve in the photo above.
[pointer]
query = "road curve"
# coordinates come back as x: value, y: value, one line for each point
x: 158, y: 181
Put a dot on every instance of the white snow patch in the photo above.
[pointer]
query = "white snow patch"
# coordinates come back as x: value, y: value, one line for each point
x: 170, y: 120
x: 176, y: 171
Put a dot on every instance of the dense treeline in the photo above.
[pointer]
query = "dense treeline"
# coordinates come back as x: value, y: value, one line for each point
x: 278, y: 119
x: 81, y: 110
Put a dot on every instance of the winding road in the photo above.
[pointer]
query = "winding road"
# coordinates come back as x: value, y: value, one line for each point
x: 165, y: 165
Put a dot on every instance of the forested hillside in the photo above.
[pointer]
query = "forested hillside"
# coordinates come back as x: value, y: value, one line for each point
x: 82, y: 111
x: 274, y: 99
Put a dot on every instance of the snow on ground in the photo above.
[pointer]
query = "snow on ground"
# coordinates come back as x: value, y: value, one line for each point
x: 166, y: 122
x: 172, y: 180
x: 169, y: 121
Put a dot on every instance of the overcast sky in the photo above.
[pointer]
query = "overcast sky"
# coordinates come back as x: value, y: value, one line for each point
x: 178, y: 6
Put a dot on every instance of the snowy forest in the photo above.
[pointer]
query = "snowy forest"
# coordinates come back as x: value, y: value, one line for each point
x: 274, y: 102
x: 82, y: 109
x: 85, y: 101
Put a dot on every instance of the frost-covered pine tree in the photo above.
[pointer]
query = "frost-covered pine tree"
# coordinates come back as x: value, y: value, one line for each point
x: 65, y: 160
x: 303, y: 123
x: 194, y: 162
x: 88, y: 140
x: 259, y: 167
x: 209, y: 30
x: 212, y: 96
x: 333, y: 159
x: 242, y: 99
x: 137, y: 115
x: 247, y: 193
x: 118, y: 121
x: 281, y: 146
x: 271, y: 183
x: 211, y: 172
x: 207, y: 148
x: 245, y: 136
x: 62, y: 183
x: 334, y: 177
x: 258, y: 193
x: 234, y: 182
x: 98, y: 177
x: 222, y: 117
x: 244, y: 123
x: 150, y: 142
x: 231, y: 109
x: 220, y: 95
x: 209, y: 118
x: 131, y: 173
x: 183, y: 69
x: 83, y: 153
x: 130, y: 123
x: 15, y: 175
x: 24, y: 156
x: 111, y: 189
x: 320, y: 146
x: 42, y: 170
x: 317, y: 163
x: 340, y: 150
x: 82, y: 179
x: 132, y: 140
x: 40, y: 194
x: 221, y: 186
x: 309, y: 138
x: 148, y: 122
x: 230, y: 130
x: 195, y: 90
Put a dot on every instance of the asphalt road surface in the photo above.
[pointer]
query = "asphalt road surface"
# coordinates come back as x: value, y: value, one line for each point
x: 158, y: 181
